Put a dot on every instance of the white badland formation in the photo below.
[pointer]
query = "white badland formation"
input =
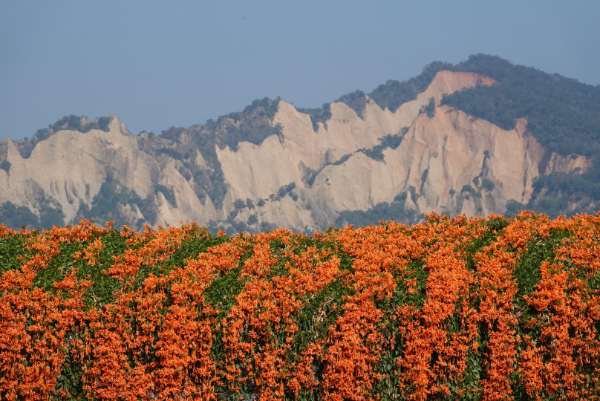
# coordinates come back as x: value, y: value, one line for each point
x: 437, y: 156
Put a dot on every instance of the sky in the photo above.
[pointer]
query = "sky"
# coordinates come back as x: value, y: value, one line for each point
x: 158, y: 64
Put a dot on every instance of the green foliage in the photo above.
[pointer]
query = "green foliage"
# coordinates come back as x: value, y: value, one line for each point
x: 555, y: 205
x: 311, y: 175
x: 562, y: 113
x: 495, y: 227
x: 283, y: 191
x: 527, y: 271
x: 167, y: 192
x: 57, y: 267
x: 429, y: 109
x: 171, y: 153
x: 487, y: 184
x: 51, y: 216
x: 189, y: 249
x: 17, y: 216
x: 223, y: 290
x: 5, y: 165
x: 414, y: 196
x: 568, y: 184
x: 391, y: 329
x: 395, y: 93
x: 327, y: 303
x: 318, y: 115
x: 415, y: 270
x: 239, y: 204
x: 467, y: 188
x: 104, y: 288
x: 249, y: 133
x: 269, y: 107
x: 216, y: 187
x: 513, y: 207
x: 559, y: 194
x: 382, y: 211
x: 387, y: 142
x: 74, y: 123
x: 112, y: 196
x: 356, y: 100
x: 252, y: 219
x: 103, y: 123
x: 470, y: 190
x: 254, y: 124
x: 10, y: 249
x: 340, y: 161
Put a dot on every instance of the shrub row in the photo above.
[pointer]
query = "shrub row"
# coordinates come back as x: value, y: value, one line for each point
x: 467, y: 308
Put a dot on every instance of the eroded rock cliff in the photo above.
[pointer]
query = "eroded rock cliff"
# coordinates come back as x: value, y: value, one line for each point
x: 273, y: 165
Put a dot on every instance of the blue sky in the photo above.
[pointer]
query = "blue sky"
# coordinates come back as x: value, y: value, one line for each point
x: 157, y: 64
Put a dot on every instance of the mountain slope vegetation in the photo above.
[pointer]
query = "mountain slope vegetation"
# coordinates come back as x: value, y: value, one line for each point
x: 562, y: 113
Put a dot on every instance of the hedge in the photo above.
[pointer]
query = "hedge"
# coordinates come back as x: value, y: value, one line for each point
x: 463, y: 308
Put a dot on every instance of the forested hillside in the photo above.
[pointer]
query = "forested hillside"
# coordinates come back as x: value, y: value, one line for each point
x: 562, y: 113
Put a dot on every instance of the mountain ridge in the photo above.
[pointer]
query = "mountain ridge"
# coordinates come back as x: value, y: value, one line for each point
x: 274, y: 165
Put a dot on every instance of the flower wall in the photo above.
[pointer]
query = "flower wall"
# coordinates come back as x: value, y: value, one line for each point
x: 464, y: 308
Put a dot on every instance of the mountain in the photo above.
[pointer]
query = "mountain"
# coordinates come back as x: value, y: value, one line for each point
x: 479, y: 137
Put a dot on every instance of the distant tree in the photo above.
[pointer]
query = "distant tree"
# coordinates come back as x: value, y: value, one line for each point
x: 103, y: 123
x: 16, y: 216
x: 487, y: 184
x: 252, y: 219
x: 383, y: 211
x: 5, y: 165
x: 376, y: 153
x: 513, y: 207
x: 429, y: 109
x: 50, y: 216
